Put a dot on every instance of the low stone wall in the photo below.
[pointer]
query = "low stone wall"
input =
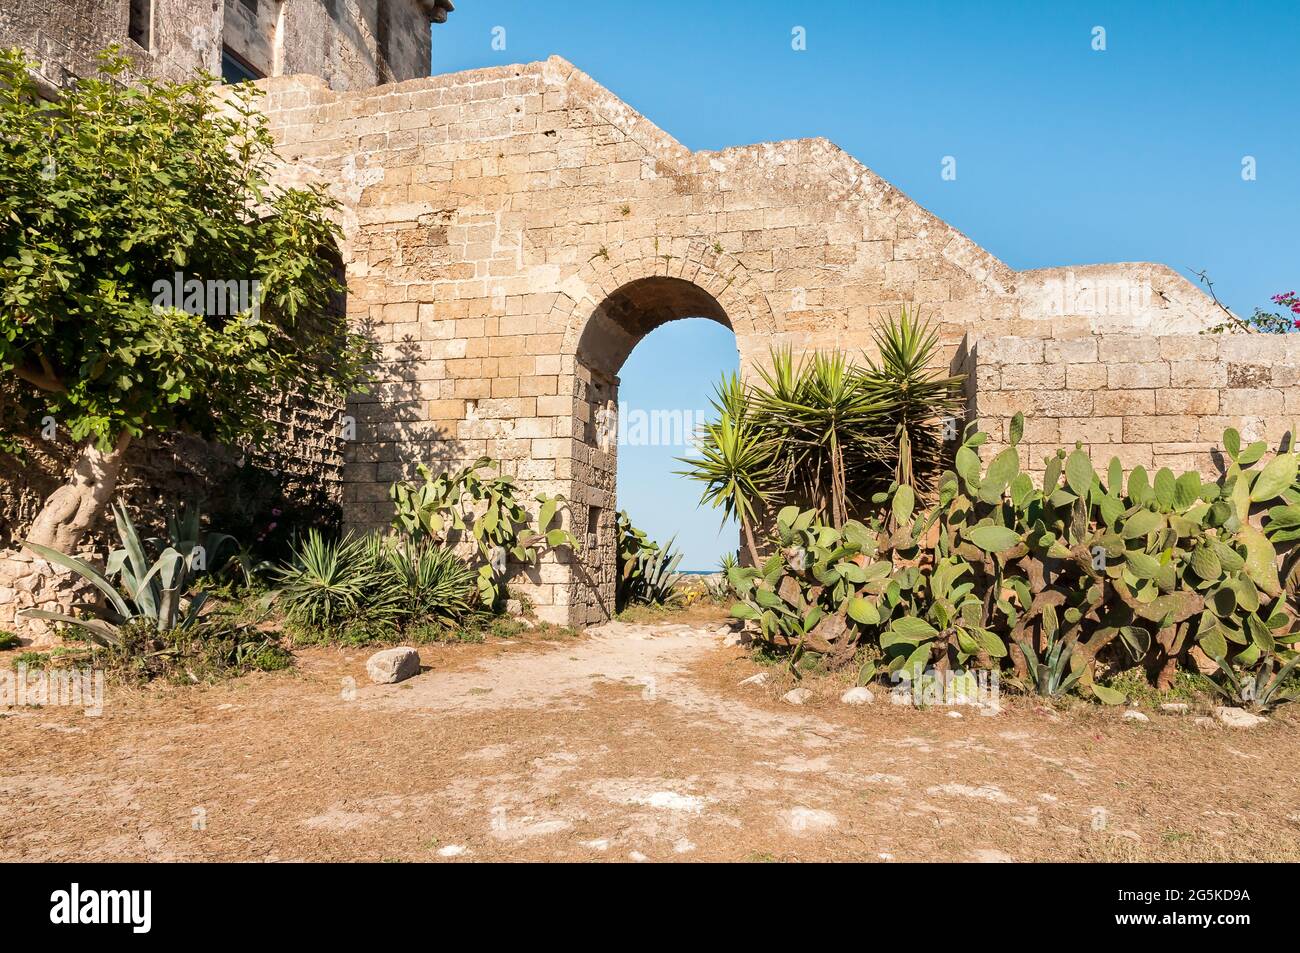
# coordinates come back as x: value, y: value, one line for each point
x: 1154, y: 401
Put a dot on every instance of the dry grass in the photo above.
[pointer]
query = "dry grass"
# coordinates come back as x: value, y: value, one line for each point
x: 638, y: 742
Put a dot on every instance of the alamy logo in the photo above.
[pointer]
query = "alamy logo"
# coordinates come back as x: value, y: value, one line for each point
x: 210, y: 297
x: 134, y: 907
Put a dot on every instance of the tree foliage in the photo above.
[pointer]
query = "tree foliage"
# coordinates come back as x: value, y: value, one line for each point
x: 110, y: 192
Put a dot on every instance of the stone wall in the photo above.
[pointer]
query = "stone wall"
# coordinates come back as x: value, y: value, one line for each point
x: 511, y: 233
x: 1154, y: 401
x: 257, y: 496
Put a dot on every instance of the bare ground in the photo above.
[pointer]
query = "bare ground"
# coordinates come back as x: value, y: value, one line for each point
x: 628, y: 743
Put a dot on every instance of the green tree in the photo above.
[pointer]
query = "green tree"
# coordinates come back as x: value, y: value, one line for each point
x: 111, y: 198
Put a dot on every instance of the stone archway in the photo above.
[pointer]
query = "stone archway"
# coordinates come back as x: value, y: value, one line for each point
x: 630, y: 300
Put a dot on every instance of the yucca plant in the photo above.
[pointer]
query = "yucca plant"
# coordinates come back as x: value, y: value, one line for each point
x: 329, y: 582
x: 154, y: 592
x: 821, y: 424
x: 923, y: 398
x: 435, y: 582
x: 736, y: 462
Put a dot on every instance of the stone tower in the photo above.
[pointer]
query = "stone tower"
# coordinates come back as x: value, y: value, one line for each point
x: 350, y: 44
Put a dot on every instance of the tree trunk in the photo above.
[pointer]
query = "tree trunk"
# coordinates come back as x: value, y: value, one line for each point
x: 73, y: 509
x: 71, y: 512
x: 749, y: 542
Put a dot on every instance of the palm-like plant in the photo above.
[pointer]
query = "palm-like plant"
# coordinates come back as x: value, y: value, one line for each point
x: 735, y: 461
x: 820, y: 424
x: 921, y: 396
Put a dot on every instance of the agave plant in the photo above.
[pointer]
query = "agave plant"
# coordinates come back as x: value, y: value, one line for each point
x: 1261, y: 689
x: 660, y: 583
x: 1049, y: 672
x: 156, y: 592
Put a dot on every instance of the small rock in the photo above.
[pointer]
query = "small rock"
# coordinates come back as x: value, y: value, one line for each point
x: 1135, y: 716
x: 797, y: 696
x: 1176, y: 708
x: 1202, y: 722
x: 1237, y: 718
x: 861, y: 695
x: 954, y: 714
x: 393, y: 665
x: 599, y: 843
x: 637, y: 857
x: 807, y: 820
x: 451, y: 850
x: 514, y: 607
x: 759, y: 679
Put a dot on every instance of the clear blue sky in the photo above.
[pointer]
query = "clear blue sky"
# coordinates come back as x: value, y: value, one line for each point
x: 1065, y: 155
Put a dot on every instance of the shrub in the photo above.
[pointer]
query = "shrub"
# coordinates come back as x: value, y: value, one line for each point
x: 647, y: 572
x: 474, y: 505
x: 152, y: 592
x: 1050, y: 574
x: 826, y: 432
x: 361, y: 589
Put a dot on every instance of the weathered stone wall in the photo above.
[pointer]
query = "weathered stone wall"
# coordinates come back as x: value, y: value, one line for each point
x: 294, y: 481
x: 345, y: 42
x: 511, y: 233
x: 1154, y: 401
x: 64, y: 36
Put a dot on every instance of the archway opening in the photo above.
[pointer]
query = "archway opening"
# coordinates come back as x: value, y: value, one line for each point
x: 642, y: 392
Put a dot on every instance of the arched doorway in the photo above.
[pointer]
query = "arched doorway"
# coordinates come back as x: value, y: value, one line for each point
x: 615, y: 326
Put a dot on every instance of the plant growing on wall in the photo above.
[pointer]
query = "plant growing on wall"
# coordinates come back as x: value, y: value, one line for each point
x: 151, y: 277
x: 478, y: 505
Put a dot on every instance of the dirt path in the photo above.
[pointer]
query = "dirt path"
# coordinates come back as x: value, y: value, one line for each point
x: 632, y: 742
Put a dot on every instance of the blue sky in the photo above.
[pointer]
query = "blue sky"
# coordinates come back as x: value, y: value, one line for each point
x: 1065, y: 154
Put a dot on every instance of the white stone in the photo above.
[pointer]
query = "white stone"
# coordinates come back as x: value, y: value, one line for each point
x: 1176, y: 708
x: 861, y: 695
x: 1237, y: 718
x: 759, y: 679
x: 452, y: 850
x: 1135, y: 716
x: 954, y: 714
x: 807, y: 820
x: 393, y: 665
x: 797, y: 696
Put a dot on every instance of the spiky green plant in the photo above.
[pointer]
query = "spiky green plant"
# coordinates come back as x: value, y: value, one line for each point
x: 735, y: 462
x: 330, y: 582
x: 924, y: 399
x: 436, y: 584
x: 156, y: 592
